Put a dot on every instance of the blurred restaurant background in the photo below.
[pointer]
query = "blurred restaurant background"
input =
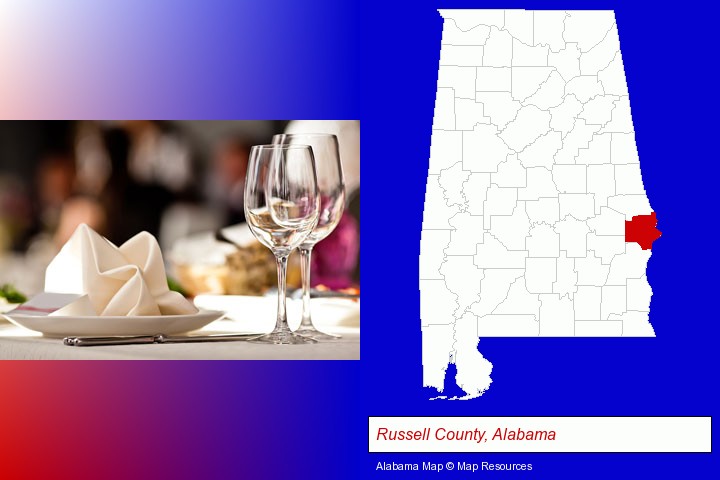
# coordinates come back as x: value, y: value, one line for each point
x: 182, y: 181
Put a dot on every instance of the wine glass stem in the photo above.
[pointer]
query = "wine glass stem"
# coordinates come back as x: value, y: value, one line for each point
x: 305, y: 257
x: 282, y: 324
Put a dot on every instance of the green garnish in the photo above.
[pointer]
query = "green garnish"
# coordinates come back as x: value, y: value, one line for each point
x: 9, y: 293
x: 175, y: 286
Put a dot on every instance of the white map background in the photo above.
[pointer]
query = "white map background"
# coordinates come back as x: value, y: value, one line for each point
x: 533, y: 172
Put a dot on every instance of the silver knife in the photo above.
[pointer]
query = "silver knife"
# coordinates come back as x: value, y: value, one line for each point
x: 159, y: 338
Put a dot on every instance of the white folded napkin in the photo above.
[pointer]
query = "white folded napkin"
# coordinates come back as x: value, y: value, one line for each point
x: 115, y: 281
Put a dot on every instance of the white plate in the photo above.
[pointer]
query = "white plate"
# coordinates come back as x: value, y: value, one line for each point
x: 6, y: 307
x: 259, y: 313
x: 108, y: 326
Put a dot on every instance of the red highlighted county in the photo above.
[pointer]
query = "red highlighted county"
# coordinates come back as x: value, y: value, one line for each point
x: 642, y: 230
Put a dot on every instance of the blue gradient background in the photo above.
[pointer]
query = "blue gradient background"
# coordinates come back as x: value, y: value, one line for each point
x: 376, y: 61
x: 178, y: 59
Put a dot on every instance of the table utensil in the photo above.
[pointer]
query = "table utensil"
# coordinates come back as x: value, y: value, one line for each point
x: 150, y: 339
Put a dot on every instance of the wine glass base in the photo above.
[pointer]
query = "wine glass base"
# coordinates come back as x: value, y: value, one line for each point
x: 282, y: 338
x: 312, y: 332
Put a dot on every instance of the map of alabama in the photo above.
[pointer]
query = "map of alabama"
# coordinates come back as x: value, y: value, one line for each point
x: 536, y: 220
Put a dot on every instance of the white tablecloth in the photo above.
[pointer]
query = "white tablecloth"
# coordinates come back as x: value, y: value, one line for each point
x: 20, y: 344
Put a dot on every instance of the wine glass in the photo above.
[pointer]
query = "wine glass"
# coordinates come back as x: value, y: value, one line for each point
x: 331, y: 187
x: 281, y: 208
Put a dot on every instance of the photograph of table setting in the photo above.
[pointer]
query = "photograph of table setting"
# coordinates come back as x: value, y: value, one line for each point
x: 179, y: 240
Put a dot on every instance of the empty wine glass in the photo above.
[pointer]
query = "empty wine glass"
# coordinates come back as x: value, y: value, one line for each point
x: 331, y: 187
x: 282, y: 208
